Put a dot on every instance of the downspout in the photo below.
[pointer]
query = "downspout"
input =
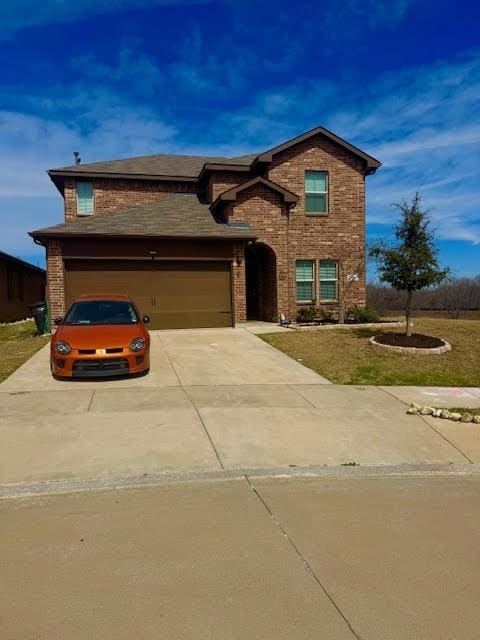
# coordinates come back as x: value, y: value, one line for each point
x: 289, y: 286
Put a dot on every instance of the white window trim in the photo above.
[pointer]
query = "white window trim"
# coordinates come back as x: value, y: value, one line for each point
x: 81, y: 213
x: 320, y: 280
x: 325, y: 193
x: 312, y: 281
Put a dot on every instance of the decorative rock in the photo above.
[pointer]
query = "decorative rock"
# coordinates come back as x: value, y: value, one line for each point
x: 476, y: 419
x: 467, y: 417
x: 437, y: 413
x: 416, y: 406
x: 445, y: 413
x: 455, y: 416
x: 427, y: 411
x: 413, y: 411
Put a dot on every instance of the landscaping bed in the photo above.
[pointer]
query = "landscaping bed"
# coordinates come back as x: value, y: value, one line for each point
x: 347, y: 325
x: 18, y: 342
x: 347, y: 357
x: 416, y: 340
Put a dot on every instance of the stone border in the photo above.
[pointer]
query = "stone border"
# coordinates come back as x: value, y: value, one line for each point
x: 350, y: 325
x: 420, y: 351
x: 435, y: 412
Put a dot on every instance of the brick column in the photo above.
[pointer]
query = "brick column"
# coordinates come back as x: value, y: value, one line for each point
x: 70, y: 198
x: 55, y: 280
x: 239, y: 284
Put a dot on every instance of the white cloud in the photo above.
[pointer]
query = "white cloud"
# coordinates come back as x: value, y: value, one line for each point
x: 422, y: 123
x: 21, y: 14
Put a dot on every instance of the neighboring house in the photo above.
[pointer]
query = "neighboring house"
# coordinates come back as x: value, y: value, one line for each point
x: 21, y: 284
x: 208, y: 241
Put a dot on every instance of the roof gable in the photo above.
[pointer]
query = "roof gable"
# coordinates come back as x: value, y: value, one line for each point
x: 371, y: 163
x: 231, y: 195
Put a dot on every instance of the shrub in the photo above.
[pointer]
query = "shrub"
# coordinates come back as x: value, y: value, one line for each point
x: 326, y: 316
x: 356, y: 314
x: 306, y: 314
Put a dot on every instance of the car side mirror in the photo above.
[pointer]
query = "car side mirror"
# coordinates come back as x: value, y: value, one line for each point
x: 146, y: 319
x: 58, y: 321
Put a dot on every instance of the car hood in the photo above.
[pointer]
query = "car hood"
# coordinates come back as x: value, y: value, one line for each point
x: 99, y: 336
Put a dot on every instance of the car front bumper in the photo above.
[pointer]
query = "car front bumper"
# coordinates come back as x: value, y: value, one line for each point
x: 77, y: 365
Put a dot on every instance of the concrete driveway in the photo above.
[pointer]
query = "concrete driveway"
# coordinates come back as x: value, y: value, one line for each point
x: 214, y: 400
x: 180, y: 358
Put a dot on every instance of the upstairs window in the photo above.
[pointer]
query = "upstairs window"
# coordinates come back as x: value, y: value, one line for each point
x: 328, y: 280
x: 305, y: 278
x: 84, y: 198
x: 316, y: 191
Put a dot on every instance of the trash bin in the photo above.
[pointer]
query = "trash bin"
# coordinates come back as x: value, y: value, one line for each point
x: 38, y: 311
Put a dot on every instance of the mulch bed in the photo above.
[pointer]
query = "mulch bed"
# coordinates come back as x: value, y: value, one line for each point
x: 417, y: 340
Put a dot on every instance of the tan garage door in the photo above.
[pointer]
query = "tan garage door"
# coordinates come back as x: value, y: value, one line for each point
x: 176, y: 295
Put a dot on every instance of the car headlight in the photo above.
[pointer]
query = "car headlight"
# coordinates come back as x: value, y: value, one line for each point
x: 137, y: 344
x: 62, y: 347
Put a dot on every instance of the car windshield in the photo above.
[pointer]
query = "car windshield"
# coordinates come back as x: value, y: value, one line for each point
x: 101, y: 312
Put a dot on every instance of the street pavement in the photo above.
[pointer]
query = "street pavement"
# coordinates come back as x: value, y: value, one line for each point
x: 353, y: 556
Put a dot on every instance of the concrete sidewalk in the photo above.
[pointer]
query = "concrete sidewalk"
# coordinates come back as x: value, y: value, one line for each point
x: 85, y: 433
x: 299, y: 558
x: 468, y: 397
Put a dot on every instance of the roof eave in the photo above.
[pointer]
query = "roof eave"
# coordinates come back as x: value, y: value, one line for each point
x: 22, y: 263
x: 54, y: 173
x: 54, y: 235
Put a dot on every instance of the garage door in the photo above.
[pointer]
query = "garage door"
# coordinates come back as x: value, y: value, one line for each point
x: 176, y: 295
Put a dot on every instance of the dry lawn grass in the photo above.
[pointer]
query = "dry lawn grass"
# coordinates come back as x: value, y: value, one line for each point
x: 346, y: 357
x: 17, y: 343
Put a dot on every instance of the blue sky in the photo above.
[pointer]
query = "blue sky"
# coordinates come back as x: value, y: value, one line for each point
x: 400, y: 79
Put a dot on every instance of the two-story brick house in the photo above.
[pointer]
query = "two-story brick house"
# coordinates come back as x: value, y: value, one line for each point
x: 208, y: 241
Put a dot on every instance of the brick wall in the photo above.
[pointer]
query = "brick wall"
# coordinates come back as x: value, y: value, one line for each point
x: 291, y: 234
x: 338, y: 235
x: 221, y: 181
x: 238, y: 285
x: 115, y: 194
x: 266, y: 213
x: 55, y: 280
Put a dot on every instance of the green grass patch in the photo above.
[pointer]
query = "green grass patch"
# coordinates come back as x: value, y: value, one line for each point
x: 18, y: 342
x: 346, y: 357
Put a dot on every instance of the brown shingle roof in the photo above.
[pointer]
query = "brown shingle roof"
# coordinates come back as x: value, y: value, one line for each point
x: 177, y: 215
x: 156, y: 165
x: 189, y: 168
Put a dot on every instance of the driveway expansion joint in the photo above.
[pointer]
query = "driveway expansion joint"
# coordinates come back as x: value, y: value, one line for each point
x: 212, y: 444
x: 447, y: 440
x: 307, y: 566
x: 91, y: 400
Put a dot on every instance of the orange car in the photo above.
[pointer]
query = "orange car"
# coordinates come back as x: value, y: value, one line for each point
x: 100, y: 336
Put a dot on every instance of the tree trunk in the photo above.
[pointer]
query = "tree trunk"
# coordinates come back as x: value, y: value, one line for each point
x: 408, y: 312
x: 341, y: 314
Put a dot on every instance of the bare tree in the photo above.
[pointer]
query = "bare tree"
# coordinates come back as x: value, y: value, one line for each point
x: 348, y: 278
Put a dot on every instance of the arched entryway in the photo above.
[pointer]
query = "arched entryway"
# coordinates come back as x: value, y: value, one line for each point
x: 261, y: 281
